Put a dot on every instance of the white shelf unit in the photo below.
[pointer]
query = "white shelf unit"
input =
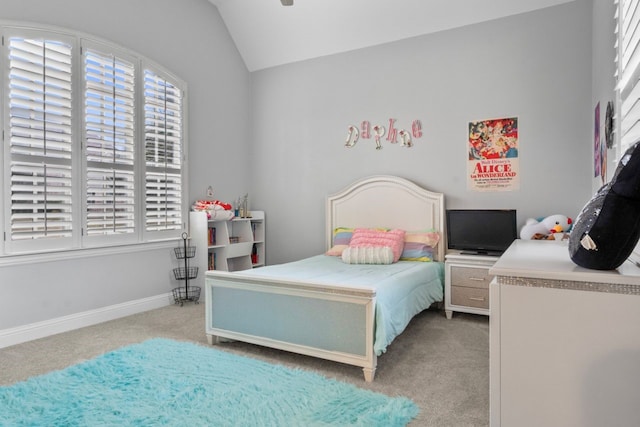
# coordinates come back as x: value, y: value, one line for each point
x: 228, y: 245
x: 258, y: 234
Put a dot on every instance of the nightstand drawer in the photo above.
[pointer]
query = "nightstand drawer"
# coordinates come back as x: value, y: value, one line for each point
x: 470, y: 297
x: 470, y: 277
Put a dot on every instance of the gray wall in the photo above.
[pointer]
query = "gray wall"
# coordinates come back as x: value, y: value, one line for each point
x: 188, y: 38
x: 291, y: 121
x: 603, y: 77
x: 536, y: 66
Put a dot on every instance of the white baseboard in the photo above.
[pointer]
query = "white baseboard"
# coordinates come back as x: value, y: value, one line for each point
x: 33, y: 331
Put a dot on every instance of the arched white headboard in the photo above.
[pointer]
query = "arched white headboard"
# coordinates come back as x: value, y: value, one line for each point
x: 387, y: 201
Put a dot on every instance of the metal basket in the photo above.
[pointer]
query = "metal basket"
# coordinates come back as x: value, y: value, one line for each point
x: 191, y: 293
x: 182, y: 273
x: 185, y: 252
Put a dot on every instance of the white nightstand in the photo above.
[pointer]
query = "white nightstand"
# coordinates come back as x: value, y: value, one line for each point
x: 467, y: 281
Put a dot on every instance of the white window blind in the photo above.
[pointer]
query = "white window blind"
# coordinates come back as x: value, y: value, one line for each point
x: 40, y: 138
x: 163, y: 153
x: 109, y: 143
x: 628, y: 72
x: 94, y: 147
x: 628, y: 78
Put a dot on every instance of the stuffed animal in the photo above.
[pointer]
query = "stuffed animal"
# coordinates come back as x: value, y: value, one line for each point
x: 215, y: 209
x: 550, y: 225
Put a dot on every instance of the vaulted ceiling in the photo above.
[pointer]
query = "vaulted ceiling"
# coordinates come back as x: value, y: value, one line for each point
x: 268, y: 34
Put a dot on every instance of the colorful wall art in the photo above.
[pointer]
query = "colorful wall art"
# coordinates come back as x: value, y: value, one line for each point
x: 493, y: 159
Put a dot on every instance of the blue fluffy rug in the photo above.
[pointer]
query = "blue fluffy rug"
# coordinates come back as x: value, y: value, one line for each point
x: 162, y: 382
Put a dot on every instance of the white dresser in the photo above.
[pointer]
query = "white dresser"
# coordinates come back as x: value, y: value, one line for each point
x: 564, y: 340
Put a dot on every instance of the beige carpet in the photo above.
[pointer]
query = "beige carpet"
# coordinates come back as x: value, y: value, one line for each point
x: 442, y: 365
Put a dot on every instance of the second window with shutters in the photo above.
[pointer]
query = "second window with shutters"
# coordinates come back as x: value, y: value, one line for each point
x: 109, y: 138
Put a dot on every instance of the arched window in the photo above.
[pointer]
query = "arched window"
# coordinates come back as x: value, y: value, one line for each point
x: 95, y: 148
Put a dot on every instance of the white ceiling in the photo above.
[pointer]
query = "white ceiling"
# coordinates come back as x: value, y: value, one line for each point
x: 269, y: 34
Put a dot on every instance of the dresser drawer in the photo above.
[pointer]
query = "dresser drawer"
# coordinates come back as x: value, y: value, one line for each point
x: 470, y: 297
x: 470, y: 277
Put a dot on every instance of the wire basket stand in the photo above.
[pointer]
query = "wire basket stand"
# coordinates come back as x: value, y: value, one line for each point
x: 185, y: 293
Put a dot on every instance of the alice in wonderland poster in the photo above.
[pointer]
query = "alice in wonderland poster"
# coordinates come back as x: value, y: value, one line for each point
x: 493, y: 163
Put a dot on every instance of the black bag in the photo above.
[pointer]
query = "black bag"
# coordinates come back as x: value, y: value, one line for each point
x: 608, y: 227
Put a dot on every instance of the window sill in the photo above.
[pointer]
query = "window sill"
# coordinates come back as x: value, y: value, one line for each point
x: 23, y: 259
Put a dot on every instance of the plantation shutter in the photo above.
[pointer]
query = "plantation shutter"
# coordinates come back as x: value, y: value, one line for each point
x: 628, y: 71
x: 628, y: 77
x: 163, y: 153
x: 40, y: 140
x: 109, y: 144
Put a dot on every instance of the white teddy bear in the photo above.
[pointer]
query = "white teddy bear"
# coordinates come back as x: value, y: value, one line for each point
x: 549, y: 225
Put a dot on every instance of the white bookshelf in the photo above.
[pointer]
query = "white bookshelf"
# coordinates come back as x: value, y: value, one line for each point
x: 239, y: 243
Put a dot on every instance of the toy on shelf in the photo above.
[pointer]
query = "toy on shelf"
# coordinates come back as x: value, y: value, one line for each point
x: 548, y: 228
x: 215, y: 209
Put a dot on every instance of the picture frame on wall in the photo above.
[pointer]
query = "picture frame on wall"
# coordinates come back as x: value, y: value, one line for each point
x: 493, y: 155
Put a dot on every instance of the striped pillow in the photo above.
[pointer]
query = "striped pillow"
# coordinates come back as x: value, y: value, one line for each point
x: 419, y: 246
x: 341, y: 239
x: 368, y: 255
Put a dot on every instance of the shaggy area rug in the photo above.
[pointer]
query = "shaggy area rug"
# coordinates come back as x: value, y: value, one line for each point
x: 162, y: 382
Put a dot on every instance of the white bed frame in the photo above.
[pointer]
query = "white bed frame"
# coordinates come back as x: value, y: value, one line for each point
x: 293, y: 316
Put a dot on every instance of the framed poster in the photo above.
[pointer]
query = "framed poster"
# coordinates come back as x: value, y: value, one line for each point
x: 493, y: 158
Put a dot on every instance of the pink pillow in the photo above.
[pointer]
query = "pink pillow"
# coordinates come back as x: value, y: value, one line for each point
x: 367, y: 237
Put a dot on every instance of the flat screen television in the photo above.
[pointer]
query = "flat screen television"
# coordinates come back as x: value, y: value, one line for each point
x: 481, y: 231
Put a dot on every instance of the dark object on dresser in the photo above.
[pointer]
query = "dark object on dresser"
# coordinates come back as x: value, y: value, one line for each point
x: 608, y: 227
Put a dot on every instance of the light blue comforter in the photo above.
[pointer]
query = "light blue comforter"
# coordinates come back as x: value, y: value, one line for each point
x: 403, y: 289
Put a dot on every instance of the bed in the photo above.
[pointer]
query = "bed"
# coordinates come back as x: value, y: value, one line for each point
x: 324, y: 307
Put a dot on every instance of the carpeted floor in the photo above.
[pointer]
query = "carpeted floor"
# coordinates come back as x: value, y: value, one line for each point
x: 442, y: 365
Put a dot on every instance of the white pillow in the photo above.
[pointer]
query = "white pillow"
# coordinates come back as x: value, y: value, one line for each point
x: 368, y: 255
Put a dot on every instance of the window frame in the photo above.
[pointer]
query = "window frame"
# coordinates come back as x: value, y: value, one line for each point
x: 623, y: 76
x: 80, y: 240
x: 23, y: 246
x: 621, y: 80
x: 153, y: 234
x: 101, y: 240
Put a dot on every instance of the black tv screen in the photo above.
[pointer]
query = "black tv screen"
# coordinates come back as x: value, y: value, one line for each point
x: 481, y: 231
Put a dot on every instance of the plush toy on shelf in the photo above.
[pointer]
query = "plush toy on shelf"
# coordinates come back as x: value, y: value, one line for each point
x: 215, y: 209
x: 544, y: 228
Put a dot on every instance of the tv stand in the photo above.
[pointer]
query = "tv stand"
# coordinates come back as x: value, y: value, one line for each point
x: 467, y: 282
